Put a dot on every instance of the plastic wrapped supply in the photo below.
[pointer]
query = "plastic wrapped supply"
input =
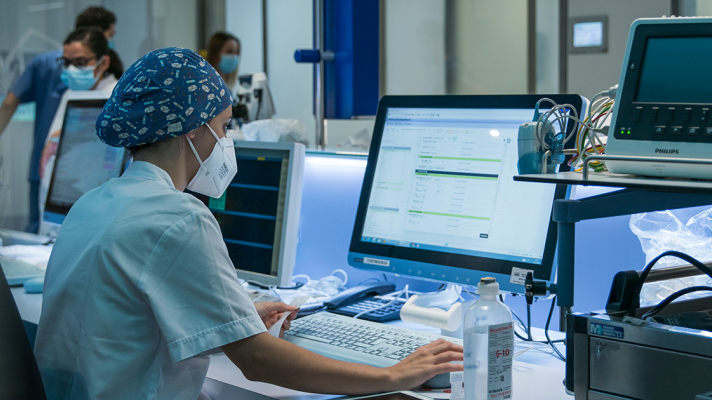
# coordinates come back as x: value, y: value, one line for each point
x: 276, y: 130
x: 662, y: 231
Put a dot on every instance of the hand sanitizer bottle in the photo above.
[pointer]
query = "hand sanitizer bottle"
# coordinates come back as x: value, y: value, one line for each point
x: 489, y: 345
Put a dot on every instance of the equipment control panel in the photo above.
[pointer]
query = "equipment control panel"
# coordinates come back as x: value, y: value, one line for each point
x: 686, y: 123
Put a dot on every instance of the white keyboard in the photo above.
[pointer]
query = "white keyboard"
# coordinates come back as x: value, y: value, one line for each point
x: 18, y: 271
x: 354, y: 340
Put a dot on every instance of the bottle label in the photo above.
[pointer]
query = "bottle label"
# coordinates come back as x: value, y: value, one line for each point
x: 501, y: 352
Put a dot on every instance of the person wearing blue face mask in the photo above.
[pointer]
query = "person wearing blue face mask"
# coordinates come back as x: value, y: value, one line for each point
x: 40, y: 83
x: 224, y: 55
x: 106, y: 21
x: 86, y: 62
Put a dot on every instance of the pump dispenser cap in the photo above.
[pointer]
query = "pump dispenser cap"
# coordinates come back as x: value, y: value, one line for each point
x: 488, y: 286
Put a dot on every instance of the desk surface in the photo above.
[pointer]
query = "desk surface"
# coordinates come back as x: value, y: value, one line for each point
x: 537, y: 374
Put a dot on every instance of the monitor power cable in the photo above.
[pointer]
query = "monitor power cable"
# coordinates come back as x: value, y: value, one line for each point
x: 673, y: 297
x: 644, y: 274
x: 528, y: 326
x: 546, y: 332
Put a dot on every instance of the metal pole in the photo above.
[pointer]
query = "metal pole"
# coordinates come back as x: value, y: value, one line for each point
x: 319, y: 76
x: 566, y: 238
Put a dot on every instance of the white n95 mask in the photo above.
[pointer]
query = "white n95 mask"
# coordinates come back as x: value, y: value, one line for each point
x: 217, y: 171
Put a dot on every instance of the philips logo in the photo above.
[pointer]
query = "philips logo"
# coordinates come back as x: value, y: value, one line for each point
x: 667, y: 151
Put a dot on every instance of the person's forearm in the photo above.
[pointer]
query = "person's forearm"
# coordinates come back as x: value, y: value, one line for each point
x: 268, y: 359
x: 7, y: 110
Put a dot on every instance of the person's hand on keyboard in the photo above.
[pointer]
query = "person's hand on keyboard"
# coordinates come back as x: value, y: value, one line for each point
x: 264, y: 358
x: 427, y: 361
x: 272, y: 312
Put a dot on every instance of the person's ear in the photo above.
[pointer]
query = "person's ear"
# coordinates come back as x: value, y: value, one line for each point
x: 104, y: 66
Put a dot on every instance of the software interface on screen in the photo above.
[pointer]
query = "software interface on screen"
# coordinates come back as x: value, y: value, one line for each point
x: 443, y: 182
x: 251, y: 212
x: 83, y: 161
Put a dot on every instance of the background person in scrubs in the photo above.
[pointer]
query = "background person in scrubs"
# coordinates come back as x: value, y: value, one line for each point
x: 86, y: 64
x: 140, y: 289
x: 40, y: 83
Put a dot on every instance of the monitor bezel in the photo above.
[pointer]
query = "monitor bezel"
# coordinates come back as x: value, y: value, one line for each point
x: 435, y: 265
x: 59, y: 209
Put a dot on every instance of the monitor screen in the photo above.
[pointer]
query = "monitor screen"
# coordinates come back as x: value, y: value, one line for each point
x: 439, y: 201
x: 665, y: 76
x: 83, y: 162
x: 444, y: 183
x: 251, y: 213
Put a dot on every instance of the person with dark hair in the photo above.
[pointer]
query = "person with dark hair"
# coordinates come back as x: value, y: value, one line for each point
x: 86, y: 64
x: 101, y: 18
x: 41, y: 83
x: 224, y: 56
x: 106, y: 21
x: 87, y: 47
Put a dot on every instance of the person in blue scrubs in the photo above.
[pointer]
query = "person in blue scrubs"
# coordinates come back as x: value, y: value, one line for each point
x: 140, y: 289
x: 40, y: 83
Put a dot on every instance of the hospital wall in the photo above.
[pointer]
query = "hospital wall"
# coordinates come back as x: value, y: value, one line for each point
x: 590, y: 73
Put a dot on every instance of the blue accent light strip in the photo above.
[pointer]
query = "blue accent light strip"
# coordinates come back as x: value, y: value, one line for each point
x: 258, y: 187
x: 244, y: 214
x: 251, y: 244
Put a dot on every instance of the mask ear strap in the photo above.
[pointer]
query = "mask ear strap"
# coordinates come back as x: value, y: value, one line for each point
x: 213, y: 132
x: 99, y: 62
x: 195, y: 152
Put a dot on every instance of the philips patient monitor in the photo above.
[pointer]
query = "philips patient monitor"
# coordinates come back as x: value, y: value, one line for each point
x: 664, y: 98
x: 438, y: 200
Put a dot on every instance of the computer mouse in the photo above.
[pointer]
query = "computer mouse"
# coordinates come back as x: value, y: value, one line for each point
x: 34, y: 285
x: 440, y: 381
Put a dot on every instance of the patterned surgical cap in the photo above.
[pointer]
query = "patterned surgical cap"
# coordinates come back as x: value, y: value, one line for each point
x: 167, y: 93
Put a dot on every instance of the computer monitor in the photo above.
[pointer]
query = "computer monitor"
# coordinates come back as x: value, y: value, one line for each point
x: 259, y: 212
x: 253, y: 91
x: 438, y: 200
x: 82, y: 162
